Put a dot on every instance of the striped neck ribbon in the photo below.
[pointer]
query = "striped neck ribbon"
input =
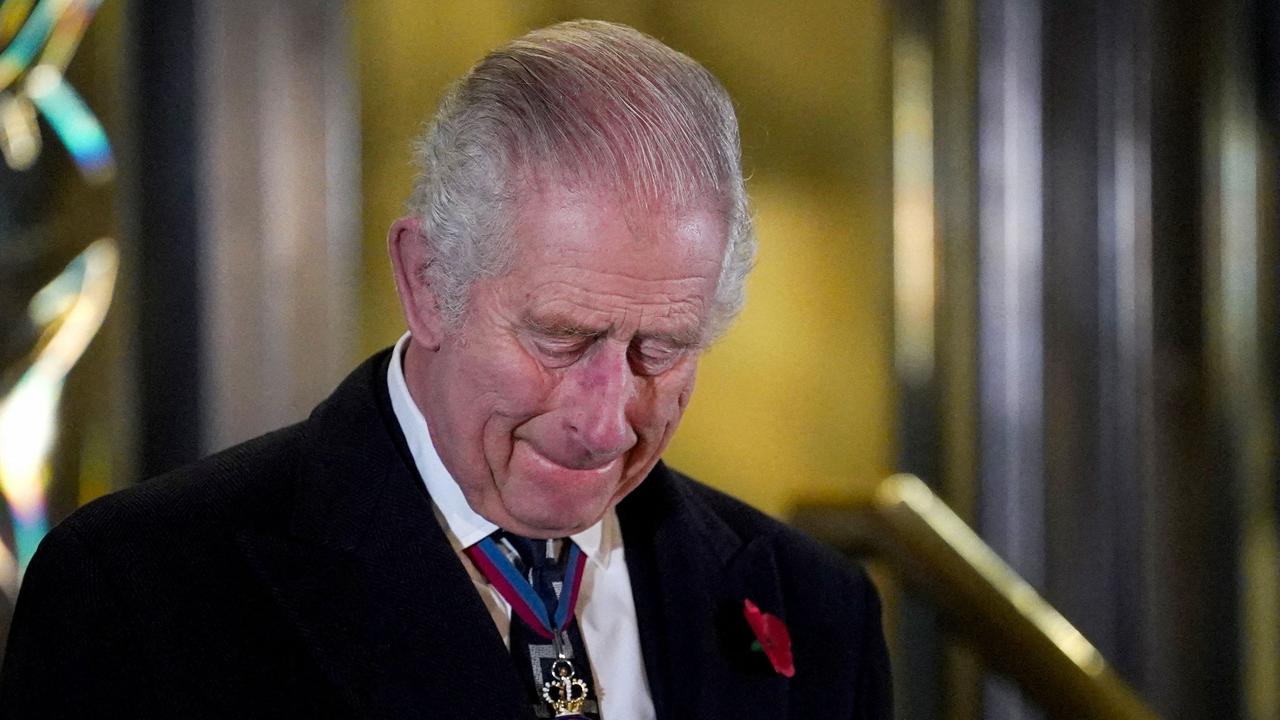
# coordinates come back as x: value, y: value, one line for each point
x: 516, y: 590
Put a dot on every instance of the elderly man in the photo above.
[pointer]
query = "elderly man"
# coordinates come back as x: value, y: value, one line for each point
x: 477, y: 523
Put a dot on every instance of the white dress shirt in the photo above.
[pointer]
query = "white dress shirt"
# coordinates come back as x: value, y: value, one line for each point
x: 606, y: 611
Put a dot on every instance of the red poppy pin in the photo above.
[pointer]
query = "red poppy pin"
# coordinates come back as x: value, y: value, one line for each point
x: 772, y: 637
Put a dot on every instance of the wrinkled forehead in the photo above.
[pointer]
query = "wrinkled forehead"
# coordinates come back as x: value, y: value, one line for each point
x: 592, y: 262
x: 661, y: 220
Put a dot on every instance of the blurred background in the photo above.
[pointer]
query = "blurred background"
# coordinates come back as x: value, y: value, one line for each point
x: 1023, y: 249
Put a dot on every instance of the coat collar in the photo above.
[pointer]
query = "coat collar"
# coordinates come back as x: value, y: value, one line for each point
x: 368, y: 578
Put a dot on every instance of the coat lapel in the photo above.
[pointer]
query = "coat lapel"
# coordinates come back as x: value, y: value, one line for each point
x: 690, y: 574
x: 368, y: 579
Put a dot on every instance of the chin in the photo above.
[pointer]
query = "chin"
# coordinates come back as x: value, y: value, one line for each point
x: 550, y: 507
x: 555, y: 516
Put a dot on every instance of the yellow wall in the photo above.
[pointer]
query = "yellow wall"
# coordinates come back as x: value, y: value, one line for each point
x: 796, y: 401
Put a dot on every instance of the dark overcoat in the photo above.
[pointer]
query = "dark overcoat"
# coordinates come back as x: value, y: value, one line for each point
x: 303, y: 575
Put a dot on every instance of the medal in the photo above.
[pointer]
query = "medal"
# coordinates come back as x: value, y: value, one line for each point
x: 565, y: 692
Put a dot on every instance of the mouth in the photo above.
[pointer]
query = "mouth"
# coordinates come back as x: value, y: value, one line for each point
x: 584, y: 469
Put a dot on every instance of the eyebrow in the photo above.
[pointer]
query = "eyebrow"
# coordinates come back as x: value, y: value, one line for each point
x: 559, y: 327
x: 562, y: 327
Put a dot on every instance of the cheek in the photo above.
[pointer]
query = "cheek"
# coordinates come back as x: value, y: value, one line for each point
x: 668, y: 398
x: 513, y: 385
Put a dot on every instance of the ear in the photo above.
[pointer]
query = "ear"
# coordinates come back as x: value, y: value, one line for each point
x: 409, y: 258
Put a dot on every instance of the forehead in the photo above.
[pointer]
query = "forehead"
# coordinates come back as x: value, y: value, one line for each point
x: 588, y: 258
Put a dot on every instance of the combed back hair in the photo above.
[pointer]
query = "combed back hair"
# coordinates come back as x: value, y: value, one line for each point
x: 591, y: 105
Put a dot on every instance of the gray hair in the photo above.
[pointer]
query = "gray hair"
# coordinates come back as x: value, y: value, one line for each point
x: 595, y: 104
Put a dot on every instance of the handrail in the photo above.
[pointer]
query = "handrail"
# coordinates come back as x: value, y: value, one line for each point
x: 981, y: 598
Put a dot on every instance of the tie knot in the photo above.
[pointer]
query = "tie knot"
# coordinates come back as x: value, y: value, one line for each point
x: 535, y: 554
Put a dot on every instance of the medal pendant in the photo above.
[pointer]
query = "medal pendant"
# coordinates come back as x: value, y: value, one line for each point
x: 565, y: 693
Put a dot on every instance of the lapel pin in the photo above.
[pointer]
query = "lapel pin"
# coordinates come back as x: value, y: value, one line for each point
x: 772, y: 638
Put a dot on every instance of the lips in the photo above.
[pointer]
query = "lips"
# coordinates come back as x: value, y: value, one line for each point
x: 553, y: 462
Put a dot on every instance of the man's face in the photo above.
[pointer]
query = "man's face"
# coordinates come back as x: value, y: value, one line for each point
x: 569, y: 374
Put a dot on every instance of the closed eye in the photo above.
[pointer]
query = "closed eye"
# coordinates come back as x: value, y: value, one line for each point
x: 651, y: 357
x: 562, y: 351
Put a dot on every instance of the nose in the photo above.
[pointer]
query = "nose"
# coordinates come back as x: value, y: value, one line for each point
x: 603, y: 388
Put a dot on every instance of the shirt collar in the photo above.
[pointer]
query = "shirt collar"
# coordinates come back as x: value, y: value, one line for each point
x: 461, y: 522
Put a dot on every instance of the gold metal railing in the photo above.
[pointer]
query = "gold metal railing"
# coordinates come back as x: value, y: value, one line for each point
x: 983, y: 601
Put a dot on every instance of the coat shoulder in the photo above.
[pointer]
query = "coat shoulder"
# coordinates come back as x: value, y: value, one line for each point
x: 801, y: 554
x: 245, y: 485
